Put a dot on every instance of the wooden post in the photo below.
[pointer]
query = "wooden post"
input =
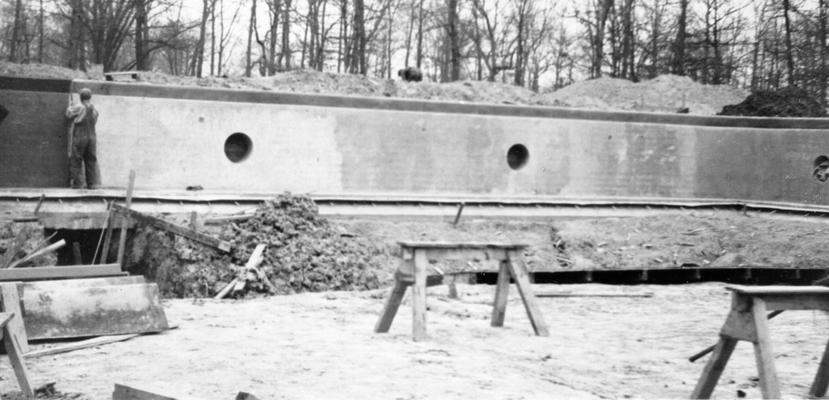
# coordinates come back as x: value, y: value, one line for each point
x: 122, y: 242
x: 107, y: 235
x: 499, y: 306
x: 522, y: 280
x: 419, y: 295
x: 76, y: 253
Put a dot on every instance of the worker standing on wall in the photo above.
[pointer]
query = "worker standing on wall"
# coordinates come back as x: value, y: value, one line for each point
x: 83, y: 161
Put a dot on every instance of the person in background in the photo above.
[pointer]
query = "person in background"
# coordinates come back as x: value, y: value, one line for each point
x: 83, y: 161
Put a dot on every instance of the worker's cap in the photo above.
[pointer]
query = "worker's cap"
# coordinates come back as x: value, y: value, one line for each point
x: 85, y: 94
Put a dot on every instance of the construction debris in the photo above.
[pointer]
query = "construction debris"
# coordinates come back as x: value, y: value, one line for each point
x: 91, y: 307
x: 123, y: 392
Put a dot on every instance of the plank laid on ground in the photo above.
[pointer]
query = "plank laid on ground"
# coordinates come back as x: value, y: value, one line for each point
x: 10, y: 296
x: 71, y: 271
x: 589, y: 294
x: 85, y: 344
x: 68, y: 312
x: 171, y: 227
x: 123, y: 392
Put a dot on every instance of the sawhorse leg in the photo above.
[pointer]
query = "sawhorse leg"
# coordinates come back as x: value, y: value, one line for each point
x: 499, y: 307
x: 392, y: 304
x: 746, y: 321
x: 713, y: 370
x: 419, y: 296
x: 822, y: 377
x: 522, y: 280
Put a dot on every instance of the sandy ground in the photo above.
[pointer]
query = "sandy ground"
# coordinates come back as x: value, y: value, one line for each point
x: 321, y: 345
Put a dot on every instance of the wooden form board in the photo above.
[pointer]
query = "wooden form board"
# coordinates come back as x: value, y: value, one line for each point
x: 123, y: 392
x: 55, y: 312
x: 62, y: 272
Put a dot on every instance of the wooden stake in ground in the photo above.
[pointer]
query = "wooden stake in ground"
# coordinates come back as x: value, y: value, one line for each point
x: 122, y: 240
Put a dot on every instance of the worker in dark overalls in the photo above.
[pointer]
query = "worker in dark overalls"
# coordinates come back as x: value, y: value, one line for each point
x: 83, y: 162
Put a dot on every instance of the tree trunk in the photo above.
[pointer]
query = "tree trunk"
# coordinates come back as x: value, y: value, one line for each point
x: 274, y: 32
x: 358, y: 62
x: 678, y: 60
x: 198, y: 52
x: 453, y: 38
x: 40, y: 34
x: 286, y: 35
x: 77, y: 39
x: 141, y: 35
x: 598, y: 40
x: 16, y: 30
x: 822, y: 72
x: 251, y: 27
x: 419, y: 54
x: 789, y: 54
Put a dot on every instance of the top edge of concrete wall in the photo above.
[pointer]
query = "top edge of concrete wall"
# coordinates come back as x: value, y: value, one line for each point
x: 399, y: 104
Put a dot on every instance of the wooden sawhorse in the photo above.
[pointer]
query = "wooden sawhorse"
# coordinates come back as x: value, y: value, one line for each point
x: 412, y: 271
x: 748, y: 321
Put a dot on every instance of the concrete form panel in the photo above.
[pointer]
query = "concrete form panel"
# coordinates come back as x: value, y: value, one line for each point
x: 174, y: 138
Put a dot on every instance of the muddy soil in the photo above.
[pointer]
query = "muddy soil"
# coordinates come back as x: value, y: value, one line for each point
x: 321, y: 345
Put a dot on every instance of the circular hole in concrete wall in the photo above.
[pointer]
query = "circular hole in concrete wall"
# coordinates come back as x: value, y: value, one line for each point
x: 517, y: 156
x: 238, y: 147
x: 820, y: 168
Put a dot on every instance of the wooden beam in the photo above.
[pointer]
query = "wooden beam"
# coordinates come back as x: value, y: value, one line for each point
x: 37, y: 253
x: 123, y: 392
x: 171, y: 227
x: 11, y: 304
x: 73, y: 271
x: 122, y: 240
x: 84, y: 344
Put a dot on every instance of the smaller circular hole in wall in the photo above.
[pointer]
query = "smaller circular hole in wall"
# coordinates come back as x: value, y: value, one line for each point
x: 238, y: 147
x: 517, y: 156
x: 820, y: 168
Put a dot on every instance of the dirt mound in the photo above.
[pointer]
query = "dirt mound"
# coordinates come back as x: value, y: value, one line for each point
x: 787, y: 102
x: 35, y: 70
x: 304, y: 253
x: 665, y: 93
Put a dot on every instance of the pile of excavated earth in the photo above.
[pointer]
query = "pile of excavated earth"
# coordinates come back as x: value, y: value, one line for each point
x: 303, y: 253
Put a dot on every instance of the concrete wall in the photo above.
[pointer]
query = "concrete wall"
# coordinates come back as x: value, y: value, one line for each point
x: 174, y: 138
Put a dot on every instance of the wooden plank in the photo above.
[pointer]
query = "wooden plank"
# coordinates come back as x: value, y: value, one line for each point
x: 122, y: 239
x: 588, y: 294
x: 419, y: 296
x: 123, y: 392
x: 108, y: 235
x: 11, y: 304
x: 68, y: 312
x: 12, y: 250
x: 78, y: 283
x: 85, y: 344
x: 176, y: 229
x: 772, y: 290
x: 821, y: 381
x: 714, y: 368
x: 522, y: 281
x: 65, y: 272
x: 769, y: 386
x: 462, y: 245
x: 499, y: 306
x: 37, y: 253
x: 12, y: 345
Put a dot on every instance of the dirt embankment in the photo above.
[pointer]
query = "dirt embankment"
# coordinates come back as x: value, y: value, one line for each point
x: 786, y: 102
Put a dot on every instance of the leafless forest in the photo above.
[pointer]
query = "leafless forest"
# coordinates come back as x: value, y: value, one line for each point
x: 757, y: 44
